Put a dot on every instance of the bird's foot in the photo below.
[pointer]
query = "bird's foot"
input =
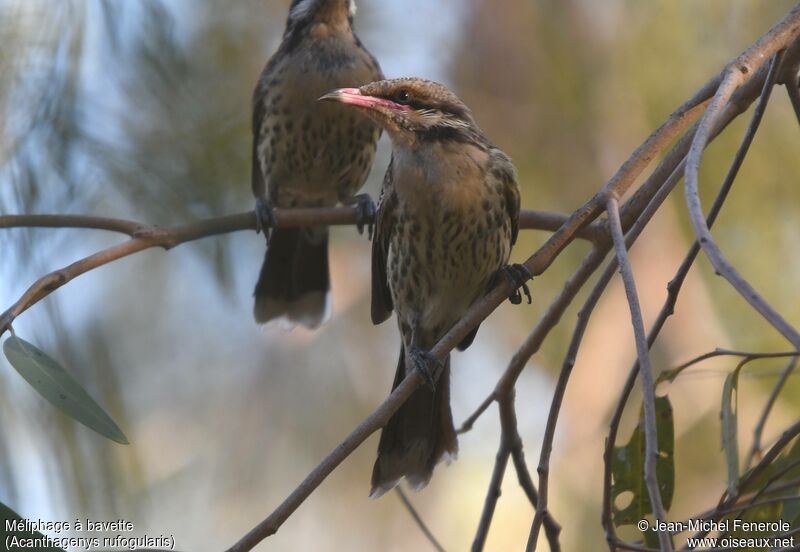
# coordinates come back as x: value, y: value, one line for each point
x: 365, y: 212
x: 422, y: 362
x: 518, y: 275
x: 265, y: 217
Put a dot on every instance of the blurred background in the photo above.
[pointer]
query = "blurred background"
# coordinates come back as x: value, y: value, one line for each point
x: 141, y: 110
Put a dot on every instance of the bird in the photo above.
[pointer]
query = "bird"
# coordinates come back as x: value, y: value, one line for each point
x: 308, y: 154
x: 447, y: 218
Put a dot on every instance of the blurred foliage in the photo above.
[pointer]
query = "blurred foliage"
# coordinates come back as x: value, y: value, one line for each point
x: 141, y: 110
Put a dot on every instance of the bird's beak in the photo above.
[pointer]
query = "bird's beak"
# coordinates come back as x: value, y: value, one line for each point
x: 353, y: 96
x: 342, y: 95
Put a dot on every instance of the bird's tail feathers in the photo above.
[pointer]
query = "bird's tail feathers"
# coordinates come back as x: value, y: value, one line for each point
x: 294, y: 284
x: 417, y: 437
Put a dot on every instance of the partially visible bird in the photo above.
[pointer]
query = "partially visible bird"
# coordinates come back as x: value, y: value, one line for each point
x: 447, y: 218
x: 308, y: 154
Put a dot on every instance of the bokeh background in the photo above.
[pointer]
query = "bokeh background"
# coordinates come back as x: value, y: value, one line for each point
x: 141, y: 109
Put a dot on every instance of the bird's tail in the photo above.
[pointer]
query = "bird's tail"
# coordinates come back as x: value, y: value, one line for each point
x: 417, y: 437
x: 294, y: 283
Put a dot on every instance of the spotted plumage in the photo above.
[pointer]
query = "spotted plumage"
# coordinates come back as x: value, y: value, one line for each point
x: 447, y: 218
x: 307, y: 153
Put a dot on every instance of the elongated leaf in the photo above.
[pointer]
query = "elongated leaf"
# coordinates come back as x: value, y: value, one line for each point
x: 628, y: 467
x: 14, y: 535
x: 730, y: 441
x: 58, y: 386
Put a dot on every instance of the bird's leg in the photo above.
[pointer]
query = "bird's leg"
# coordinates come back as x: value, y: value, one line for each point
x: 422, y: 361
x: 518, y: 275
x: 265, y: 216
x: 365, y: 212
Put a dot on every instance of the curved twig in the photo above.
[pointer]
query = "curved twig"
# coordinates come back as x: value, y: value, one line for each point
x: 511, y: 446
x: 418, y: 519
x: 645, y: 373
x: 142, y: 237
x: 596, y: 258
x: 674, y: 286
x: 736, y: 75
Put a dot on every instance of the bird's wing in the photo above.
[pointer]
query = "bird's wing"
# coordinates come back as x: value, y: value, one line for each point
x: 381, y: 296
x: 504, y: 170
x: 258, y: 182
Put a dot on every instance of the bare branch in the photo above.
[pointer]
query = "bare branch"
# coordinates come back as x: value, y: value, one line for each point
x: 511, y: 445
x: 672, y: 163
x: 530, y: 219
x: 645, y: 372
x: 147, y: 236
x: 492, y: 495
x: 418, y: 520
x: 742, y: 354
x: 674, y: 286
x: 142, y: 238
x: 736, y: 75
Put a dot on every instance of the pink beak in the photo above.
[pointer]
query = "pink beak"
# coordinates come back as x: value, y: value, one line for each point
x: 353, y: 96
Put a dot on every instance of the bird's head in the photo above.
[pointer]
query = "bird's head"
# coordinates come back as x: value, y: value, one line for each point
x: 410, y: 109
x: 331, y: 12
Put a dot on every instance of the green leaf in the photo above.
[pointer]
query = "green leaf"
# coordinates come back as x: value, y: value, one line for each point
x: 628, y: 467
x: 15, y: 531
x: 58, y: 386
x: 730, y: 441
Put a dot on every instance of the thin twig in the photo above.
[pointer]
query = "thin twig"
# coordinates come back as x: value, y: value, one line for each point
x: 782, y: 486
x: 675, y: 285
x: 508, y: 423
x: 762, y: 421
x: 418, y: 519
x: 749, y: 356
x: 645, y: 373
x: 727, y: 501
x: 738, y: 73
x: 492, y: 495
x: 143, y: 237
x: 148, y: 236
x: 529, y: 219
x: 511, y: 446
x: 671, y: 162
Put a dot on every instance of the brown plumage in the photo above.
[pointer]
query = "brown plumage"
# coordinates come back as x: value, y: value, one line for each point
x: 447, y: 219
x: 308, y: 154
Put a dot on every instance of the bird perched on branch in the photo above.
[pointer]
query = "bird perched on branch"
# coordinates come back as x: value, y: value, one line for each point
x: 447, y: 218
x: 308, y: 154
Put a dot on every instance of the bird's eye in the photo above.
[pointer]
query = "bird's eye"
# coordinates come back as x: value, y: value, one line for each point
x: 403, y: 97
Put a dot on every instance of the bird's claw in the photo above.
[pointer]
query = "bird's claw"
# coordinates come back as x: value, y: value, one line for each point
x: 518, y: 275
x: 365, y: 214
x: 265, y: 217
x: 422, y: 361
